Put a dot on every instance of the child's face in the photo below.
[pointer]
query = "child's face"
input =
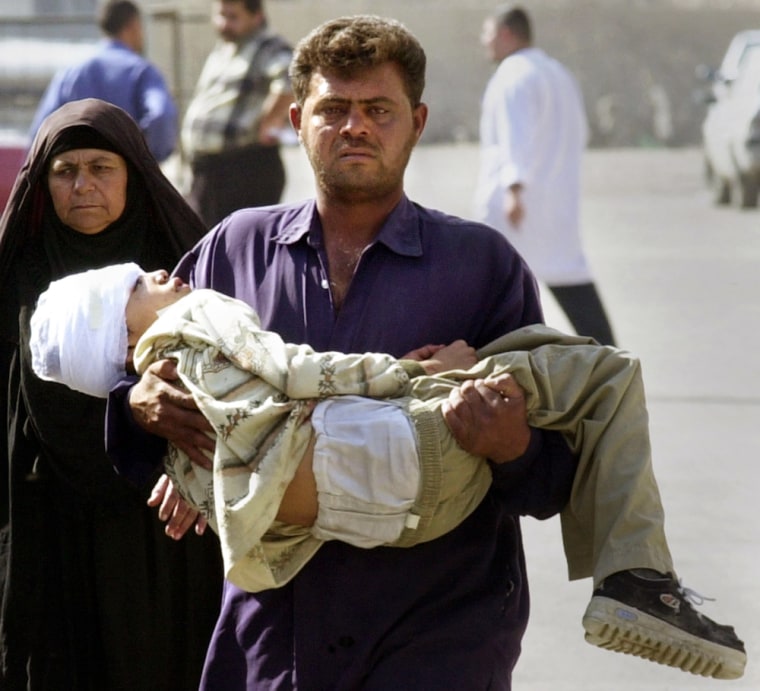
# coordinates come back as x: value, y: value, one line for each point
x: 152, y: 292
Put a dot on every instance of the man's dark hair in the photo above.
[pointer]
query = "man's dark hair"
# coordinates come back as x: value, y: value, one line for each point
x: 349, y: 45
x: 114, y: 15
x: 253, y: 6
x: 516, y: 19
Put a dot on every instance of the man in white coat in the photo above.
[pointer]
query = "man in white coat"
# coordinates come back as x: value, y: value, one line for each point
x: 533, y: 132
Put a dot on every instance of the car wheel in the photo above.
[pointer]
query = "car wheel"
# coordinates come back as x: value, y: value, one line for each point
x: 748, y: 192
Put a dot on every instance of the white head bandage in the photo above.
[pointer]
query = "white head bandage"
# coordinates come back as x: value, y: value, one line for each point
x: 79, y: 329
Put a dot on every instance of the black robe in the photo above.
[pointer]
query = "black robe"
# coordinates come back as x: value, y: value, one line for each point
x: 94, y: 595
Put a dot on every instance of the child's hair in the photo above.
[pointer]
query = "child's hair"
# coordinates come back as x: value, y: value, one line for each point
x: 79, y: 329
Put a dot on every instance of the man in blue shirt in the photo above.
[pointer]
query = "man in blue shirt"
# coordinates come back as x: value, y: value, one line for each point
x: 118, y: 73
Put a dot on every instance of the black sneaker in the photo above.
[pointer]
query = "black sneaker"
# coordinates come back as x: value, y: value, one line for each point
x: 653, y: 618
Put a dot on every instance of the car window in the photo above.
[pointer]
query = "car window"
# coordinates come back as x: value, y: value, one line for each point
x: 748, y: 76
x: 741, y: 45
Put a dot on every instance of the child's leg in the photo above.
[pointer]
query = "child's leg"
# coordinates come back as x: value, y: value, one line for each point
x: 594, y: 396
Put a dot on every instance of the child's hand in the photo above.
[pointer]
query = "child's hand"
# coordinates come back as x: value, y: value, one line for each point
x: 178, y: 515
x: 458, y: 355
x: 423, y: 353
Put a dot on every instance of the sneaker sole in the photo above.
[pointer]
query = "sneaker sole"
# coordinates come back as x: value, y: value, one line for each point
x: 613, y: 626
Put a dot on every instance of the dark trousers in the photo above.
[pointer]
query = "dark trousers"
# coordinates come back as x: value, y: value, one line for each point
x: 584, y: 309
x: 223, y: 183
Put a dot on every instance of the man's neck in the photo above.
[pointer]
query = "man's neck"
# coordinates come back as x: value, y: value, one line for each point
x: 518, y: 46
x: 348, y: 229
x: 354, y: 222
x: 131, y: 36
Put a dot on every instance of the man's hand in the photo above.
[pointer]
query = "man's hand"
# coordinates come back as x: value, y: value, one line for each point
x: 488, y: 418
x: 514, y: 208
x: 174, y: 509
x: 161, y: 407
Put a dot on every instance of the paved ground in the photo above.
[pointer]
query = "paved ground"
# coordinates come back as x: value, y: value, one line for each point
x: 681, y: 280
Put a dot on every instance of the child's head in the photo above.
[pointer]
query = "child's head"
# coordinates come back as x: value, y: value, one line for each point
x: 86, y: 325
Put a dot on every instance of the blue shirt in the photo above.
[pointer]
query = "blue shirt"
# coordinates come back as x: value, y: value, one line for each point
x: 120, y: 76
x: 449, y: 613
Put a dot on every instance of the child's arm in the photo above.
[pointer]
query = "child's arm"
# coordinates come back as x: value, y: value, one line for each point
x: 296, y: 370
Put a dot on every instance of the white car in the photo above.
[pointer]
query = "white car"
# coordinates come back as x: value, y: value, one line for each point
x: 731, y: 129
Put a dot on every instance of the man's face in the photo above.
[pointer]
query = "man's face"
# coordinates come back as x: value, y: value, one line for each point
x: 359, y: 132
x: 137, y: 35
x: 233, y: 22
x: 496, y: 40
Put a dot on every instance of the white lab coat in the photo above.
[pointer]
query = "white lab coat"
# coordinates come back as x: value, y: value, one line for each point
x: 533, y: 130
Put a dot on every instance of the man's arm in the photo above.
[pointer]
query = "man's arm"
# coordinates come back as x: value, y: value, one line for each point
x: 274, y: 117
x: 158, y: 118
x: 516, y: 131
x: 159, y: 406
x: 136, y: 452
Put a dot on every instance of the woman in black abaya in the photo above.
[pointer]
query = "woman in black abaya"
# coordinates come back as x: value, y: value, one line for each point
x: 94, y: 595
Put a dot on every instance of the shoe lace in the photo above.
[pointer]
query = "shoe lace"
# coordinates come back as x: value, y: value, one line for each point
x: 692, y: 596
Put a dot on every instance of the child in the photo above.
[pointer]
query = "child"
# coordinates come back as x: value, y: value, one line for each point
x: 386, y: 470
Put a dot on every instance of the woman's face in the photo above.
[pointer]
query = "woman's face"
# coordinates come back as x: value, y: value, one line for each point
x: 88, y: 188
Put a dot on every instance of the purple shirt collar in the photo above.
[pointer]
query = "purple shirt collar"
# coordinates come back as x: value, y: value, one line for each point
x: 400, y: 233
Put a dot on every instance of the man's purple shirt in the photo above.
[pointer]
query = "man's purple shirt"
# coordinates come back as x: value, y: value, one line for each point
x: 445, y: 614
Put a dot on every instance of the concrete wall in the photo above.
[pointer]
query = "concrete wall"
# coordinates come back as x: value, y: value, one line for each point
x: 635, y: 59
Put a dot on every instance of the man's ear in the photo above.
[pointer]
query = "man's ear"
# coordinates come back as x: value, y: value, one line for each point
x: 295, y: 113
x: 419, y: 116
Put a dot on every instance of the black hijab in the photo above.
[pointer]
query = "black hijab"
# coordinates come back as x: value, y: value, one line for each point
x: 155, y: 230
x: 157, y: 226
